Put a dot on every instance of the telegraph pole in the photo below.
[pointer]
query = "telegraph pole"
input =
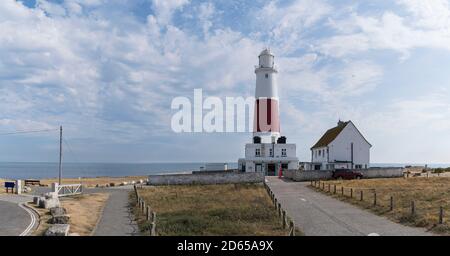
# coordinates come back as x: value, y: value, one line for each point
x: 60, y: 154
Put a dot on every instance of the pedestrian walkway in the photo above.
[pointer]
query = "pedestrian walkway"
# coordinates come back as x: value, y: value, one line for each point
x: 317, y: 214
x: 117, y: 218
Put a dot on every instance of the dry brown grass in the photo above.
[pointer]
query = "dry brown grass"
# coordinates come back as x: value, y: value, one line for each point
x: 241, y: 209
x: 2, y: 188
x: 84, y: 210
x: 428, y: 194
x: 92, y: 182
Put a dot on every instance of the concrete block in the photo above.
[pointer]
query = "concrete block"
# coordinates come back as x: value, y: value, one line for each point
x: 58, y: 230
x: 36, y: 200
x: 51, y: 195
x: 60, y: 219
x: 49, y: 203
x: 57, y: 211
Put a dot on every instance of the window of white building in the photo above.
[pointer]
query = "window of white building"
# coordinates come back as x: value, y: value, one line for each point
x: 283, y: 152
x: 271, y: 152
x: 258, y: 152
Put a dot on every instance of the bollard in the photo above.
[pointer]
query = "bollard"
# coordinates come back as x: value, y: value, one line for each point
x: 441, y: 215
x: 374, y: 198
x: 279, y: 210
x: 391, y: 204
x: 334, y: 189
x: 283, y: 218
x: 351, y: 192
x: 413, y: 208
x: 361, y: 196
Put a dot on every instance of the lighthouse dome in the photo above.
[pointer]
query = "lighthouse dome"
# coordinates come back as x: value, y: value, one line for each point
x: 266, y: 59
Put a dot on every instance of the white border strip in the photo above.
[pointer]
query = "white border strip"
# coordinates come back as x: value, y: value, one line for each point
x: 32, y: 223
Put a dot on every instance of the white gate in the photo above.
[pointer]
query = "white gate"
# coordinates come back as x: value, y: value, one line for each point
x: 69, y: 190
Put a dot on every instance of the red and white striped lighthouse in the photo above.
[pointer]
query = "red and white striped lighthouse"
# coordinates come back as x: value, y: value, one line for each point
x: 266, y: 118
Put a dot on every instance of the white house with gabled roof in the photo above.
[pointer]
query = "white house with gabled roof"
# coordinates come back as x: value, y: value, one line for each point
x: 341, y: 147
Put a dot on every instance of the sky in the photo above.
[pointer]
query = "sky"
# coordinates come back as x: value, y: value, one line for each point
x: 108, y: 71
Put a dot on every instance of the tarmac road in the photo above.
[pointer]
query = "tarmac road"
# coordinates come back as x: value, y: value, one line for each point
x: 14, y: 220
x: 320, y: 215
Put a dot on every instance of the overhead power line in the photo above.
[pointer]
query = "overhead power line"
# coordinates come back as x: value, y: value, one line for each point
x: 25, y: 132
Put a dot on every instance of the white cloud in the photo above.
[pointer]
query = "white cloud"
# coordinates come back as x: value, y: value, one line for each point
x: 164, y: 9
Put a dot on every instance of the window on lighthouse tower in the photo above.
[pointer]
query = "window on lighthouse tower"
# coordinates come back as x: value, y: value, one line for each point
x: 267, y: 75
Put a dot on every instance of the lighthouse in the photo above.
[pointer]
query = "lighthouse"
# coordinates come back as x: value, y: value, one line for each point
x: 268, y: 152
x: 266, y: 124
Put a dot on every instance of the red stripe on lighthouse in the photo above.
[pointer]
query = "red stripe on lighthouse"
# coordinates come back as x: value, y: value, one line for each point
x: 266, y: 116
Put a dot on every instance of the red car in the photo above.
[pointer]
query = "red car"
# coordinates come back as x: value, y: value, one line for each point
x: 346, y: 174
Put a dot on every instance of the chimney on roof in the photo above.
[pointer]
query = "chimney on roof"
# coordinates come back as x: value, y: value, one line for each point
x: 340, y: 123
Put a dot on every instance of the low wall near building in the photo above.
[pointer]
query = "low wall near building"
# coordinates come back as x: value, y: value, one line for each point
x: 205, y: 178
x: 296, y: 175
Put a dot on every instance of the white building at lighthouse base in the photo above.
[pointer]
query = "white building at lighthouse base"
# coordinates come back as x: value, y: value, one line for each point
x: 268, y: 158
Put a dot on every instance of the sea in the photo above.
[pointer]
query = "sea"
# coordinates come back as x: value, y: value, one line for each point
x: 26, y: 170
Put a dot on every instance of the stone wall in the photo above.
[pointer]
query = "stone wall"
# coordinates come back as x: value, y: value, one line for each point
x: 205, y: 178
x: 323, y: 175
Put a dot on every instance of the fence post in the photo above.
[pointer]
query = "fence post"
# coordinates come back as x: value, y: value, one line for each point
x: 351, y: 192
x: 342, y: 190
x: 413, y: 208
x: 329, y: 189
x: 374, y: 198
x: 154, y: 217
x: 391, y: 204
x: 279, y: 210
x: 441, y: 215
x: 153, y: 229
x: 334, y: 189
x: 143, y: 206
x: 147, y: 214
x: 323, y: 186
x: 292, y: 228
x: 283, y: 218
x: 361, y: 196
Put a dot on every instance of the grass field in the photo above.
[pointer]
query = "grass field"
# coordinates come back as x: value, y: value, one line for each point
x: 428, y: 195
x: 242, y: 209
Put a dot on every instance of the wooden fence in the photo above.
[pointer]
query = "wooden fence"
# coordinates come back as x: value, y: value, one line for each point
x: 146, y: 210
x: 286, y: 221
x: 365, y: 194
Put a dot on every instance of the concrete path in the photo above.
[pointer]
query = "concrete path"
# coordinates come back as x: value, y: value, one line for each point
x: 317, y: 214
x: 15, y: 220
x: 117, y: 219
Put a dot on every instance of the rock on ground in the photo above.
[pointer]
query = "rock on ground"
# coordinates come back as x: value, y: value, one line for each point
x: 58, y: 230
x: 57, y: 211
x: 60, y: 219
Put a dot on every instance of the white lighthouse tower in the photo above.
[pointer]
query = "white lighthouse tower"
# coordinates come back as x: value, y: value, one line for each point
x: 267, y: 118
x: 268, y: 153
